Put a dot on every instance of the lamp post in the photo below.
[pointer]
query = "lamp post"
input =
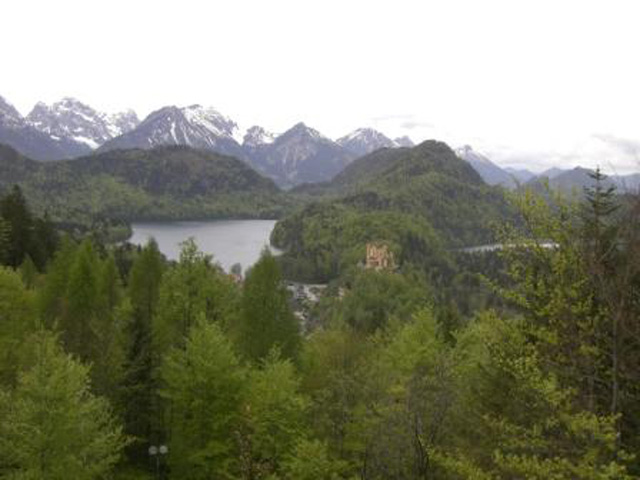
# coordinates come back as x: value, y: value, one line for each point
x: 158, y: 451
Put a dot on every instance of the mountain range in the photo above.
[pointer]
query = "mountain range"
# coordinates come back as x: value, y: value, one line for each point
x: 579, y: 178
x: 564, y: 180
x: 70, y: 128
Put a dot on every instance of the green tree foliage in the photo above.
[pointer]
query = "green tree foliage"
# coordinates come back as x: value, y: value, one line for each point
x: 52, y: 297
x: 17, y: 321
x: 5, y: 234
x: 193, y: 288
x: 166, y: 183
x: 274, y: 416
x: 334, y: 362
x: 14, y: 210
x: 77, y: 325
x: 372, y: 298
x: 29, y: 272
x: 525, y: 423
x: 579, y: 300
x: 267, y: 320
x: 327, y: 240
x: 139, y: 394
x: 311, y: 461
x: 81, y: 297
x: 51, y: 425
x: 418, y: 200
x: 402, y: 373
x: 109, y: 329
x: 23, y: 234
x: 409, y: 392
x: 204, y: 387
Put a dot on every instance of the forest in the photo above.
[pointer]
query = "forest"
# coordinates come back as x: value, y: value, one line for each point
x: 522, y: 363
x: 108, y: 190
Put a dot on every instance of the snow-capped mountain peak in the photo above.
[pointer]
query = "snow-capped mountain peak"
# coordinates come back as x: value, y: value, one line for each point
x: 19, y: 133
x: 124, y: 121
x: 300, y: 129
x: 70, y: 118
x: 404, y: 141
x: 466, y: 152
x: 195, y: 126
x: 365, y: 140
x: 8, y: 112
x: 210, y: 119
x: 491, y: 173
x: 256, y: 136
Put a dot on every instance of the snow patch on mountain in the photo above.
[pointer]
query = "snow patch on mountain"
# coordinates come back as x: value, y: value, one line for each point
x: 491, y: 173
x: 404, y: 141
x: 365, y: 140
x: 71, y: 119
x: 256, y: 136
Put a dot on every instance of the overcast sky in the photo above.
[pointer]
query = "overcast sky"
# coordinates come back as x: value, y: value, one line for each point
x: 530, y: 83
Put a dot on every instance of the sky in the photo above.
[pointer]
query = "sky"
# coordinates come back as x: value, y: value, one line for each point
x: 530, y: 84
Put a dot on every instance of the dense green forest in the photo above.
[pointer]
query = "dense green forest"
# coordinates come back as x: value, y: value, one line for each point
x: 422, y: 202
x: 520, y: 363
x: 165, y: 183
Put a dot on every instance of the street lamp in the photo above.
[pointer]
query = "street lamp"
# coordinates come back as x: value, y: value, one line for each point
x: 158, y: 451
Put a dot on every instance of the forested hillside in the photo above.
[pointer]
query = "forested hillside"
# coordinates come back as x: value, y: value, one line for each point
x: 163, y: 183
x: 117, y: 364
x: 420, y: 200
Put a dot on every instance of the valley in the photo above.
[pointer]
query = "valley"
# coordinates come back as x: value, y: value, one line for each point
x: 390, y: 240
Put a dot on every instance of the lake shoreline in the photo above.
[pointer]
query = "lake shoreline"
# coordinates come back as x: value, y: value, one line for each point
x: 229, y: 241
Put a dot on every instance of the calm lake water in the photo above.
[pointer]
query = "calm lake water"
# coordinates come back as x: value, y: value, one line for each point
x: 229, y: 241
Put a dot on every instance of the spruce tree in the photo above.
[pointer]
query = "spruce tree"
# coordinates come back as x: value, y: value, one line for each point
x: 142, y: 416
x: 14, y: 210
x: 5, y: 232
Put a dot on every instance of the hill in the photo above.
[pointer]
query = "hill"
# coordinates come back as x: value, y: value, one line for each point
x: 567, y: 181
x: 419, y: 200
x: 172, y: 182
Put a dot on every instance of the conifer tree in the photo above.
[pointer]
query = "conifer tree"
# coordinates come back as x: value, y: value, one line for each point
x: 76, y: 325
x: 5, y: 232
x: 274, y: 416
x: 51, y: 426
x: 17, y: 321
x: 28, y: 272
x: 109, y: 330
x: 52, y: 297
x: 204, y: 387
x: 142, y: 416
x: 195, y: 287
x: 267, y: 320
x: 14, y: 210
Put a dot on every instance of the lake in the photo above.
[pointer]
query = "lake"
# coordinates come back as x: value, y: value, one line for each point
x: 229, y: 241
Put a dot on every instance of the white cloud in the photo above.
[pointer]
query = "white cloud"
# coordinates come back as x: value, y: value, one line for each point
x: 533, y: 81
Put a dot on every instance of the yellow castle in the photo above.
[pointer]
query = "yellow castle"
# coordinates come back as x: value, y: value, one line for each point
x: 379, y: 257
